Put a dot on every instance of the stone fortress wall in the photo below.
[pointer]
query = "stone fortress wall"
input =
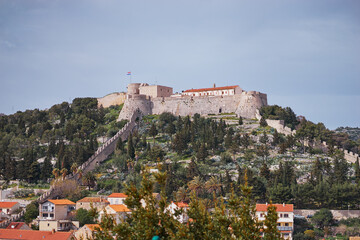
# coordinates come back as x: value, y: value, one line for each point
x: 112, y: 99
x: 243, y: 104
x: 281, y: 128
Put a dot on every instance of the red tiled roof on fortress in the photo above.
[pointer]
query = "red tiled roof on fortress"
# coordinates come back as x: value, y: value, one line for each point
x: 211, y: 89
x: 279, y: 207
x: 117, y: 195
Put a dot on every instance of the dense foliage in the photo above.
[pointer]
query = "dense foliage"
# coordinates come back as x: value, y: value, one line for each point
x: 66, y: 133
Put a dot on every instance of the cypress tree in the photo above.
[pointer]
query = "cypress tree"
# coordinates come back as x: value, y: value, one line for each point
x: 131, y: 149
x: 263, y: 122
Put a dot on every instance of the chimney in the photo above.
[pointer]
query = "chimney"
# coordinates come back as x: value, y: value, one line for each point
x: 266, y: 203
x: 214, y: 85
x: 53, y: 231
x: 283, y: 204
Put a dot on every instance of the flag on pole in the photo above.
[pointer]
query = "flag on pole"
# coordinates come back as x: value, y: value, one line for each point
x: 129, y: 73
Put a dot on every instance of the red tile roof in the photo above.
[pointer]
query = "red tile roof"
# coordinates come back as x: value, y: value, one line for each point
x: 33, y: 235
x: 7, y: 204
x: 93, y: 227
x: 61, y: 202
x: 181, y: 204
x: 15, y: 225
x: 93, y: 199
x: 279, y: 207
x: 211, y: 89
x: 117, y: 195
x: 120, y: 208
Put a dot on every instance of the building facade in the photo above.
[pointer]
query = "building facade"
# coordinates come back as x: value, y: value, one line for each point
x: 285, y: 223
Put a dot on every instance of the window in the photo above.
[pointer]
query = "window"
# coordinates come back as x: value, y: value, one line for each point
x: 279, y: 224
x: 286, y: 224
x: 286, y: 215
x: 261, y: 215
x: 51, y: 215
x: 45, y: 215
x: 280, y: 215
x: 48, y: 224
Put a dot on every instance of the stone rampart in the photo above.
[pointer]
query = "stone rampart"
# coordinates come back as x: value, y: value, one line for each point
x: 338, y: 214
x: 348, y: 155
x: 280, y: 126
x: 112, y: 99
x: 244, y: 104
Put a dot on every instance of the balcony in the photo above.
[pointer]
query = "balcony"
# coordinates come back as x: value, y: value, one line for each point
x: 284, y: 228
x: 47, y: 210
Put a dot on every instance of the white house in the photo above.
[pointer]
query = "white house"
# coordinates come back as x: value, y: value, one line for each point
x: 173, y: 207
x: 116, y: 198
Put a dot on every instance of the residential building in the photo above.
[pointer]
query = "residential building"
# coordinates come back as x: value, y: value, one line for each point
x: 58, y: 225
x: 286, y: 217
x: 9, y: 207
x: 34, y: 235
x: 214, y: 91
x: 116, y: 198
x: 118, y: 211
x: 19, y: 226
x: 86, y: 231
x: 58, y: 209
x: 96, y: 202
x: 183, y: 218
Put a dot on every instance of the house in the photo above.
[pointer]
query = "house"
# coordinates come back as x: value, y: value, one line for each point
x: 58, y: 225
x: 96, y: 202
x: 116, y: 198
x: 58, y: 209
x: 9, y: 207
x: 118, y: 211
x: 214, y: 91
x: 86, y: 231
x: 19, y: 234
x: 173, y: 207
x: 19, y: 226
x: 286, y: 217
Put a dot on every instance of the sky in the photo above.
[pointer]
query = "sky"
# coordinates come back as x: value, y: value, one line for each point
x: 303, y: 54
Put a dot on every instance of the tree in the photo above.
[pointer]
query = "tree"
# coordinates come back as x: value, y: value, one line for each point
x: 89, y: 179
x: 263, y: 122
x: 84, y: 217
x: 130, y: 148
x: 196, y: 185
x: 357, y: 171
x: 241, y: 121
x: 323, y: 218
x: 270, y: 231
x: 153, y: 131
x: 201, y: 153
x: 46, y: 169
x: 213, y: 185
x: 32, y: 211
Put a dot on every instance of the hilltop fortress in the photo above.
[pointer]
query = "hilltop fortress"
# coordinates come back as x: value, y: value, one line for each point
x: 156, y: 99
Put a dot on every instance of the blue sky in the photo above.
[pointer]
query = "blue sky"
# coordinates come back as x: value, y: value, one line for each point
x: 304, y: 54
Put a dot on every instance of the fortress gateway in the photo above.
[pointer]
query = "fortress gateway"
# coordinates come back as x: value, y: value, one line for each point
x: 156, y: 99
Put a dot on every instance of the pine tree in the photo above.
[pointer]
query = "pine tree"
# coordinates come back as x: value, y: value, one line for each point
x: 265, y: 171
x: 270, y: 230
